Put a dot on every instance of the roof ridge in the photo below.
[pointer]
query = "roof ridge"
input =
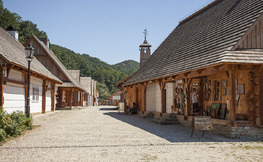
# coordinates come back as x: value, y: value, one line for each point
x: 198, y: 11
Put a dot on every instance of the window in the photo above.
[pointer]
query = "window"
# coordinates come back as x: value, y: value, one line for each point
x: 216, y: 90
x: 224, y: 86
x: 35, y: 94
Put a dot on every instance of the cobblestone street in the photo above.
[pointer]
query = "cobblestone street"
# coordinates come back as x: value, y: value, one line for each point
x: 102, y: 134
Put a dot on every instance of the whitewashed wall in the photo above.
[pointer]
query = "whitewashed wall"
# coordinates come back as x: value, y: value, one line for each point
x: 150, y: 98
x: 90, y: 100
x: 153, y: 98
x: 48, y: 101
x: 14, y: 94
x: 16, y: 75
x: 169, y: 96
x: 14, y: 98
x: 36, y: 107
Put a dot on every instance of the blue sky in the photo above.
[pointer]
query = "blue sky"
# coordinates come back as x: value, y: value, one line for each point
x: 110, y: 30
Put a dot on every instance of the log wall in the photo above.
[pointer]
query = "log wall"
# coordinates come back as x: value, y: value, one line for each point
x: 254, y: 37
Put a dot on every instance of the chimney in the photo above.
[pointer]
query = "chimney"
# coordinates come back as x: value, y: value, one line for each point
x: 45, y: 41
x: 13, y: 32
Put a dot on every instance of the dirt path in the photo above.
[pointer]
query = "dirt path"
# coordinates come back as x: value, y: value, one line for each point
x: 101, y: 134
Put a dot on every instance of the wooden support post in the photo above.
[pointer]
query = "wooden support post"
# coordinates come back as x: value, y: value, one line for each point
x: 53, y: 96
x: 201, y: 96
x: 136, y: 94
x: 60, y: 97
x: 188, y: 97
x: 261, y: 98
x: 1, y: 88
x: 81, y: 98
x: 44, y: 94
x: 162, y: 87
x: 144, y: 96
x: 232, y: 112
x: 70, y: 98
x: 251, y: 97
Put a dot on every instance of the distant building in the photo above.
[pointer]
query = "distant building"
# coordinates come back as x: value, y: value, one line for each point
x: 91, y: 90
x: 70, y: 93
x: 115, y: 98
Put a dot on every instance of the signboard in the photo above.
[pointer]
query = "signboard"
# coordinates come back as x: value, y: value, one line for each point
x: 116, y: 97
x: 202, y: 123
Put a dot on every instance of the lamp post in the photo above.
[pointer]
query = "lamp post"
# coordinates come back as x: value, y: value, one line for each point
x: 29, y: 57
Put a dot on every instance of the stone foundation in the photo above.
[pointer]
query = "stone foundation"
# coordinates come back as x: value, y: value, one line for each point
x: 236, y: 129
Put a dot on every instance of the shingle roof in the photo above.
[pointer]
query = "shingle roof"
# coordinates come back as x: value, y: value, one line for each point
x: 202, y: 40
x: 74, y: 83
x: 14, y: 52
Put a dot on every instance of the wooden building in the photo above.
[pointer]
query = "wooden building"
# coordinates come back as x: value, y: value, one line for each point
x: 70, y: 93
x: 216, y: 53
x: 13, y: 78
x: 91, y: 90
x: 115, y: 98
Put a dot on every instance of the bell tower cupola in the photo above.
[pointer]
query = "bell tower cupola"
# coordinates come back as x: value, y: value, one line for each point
x: 145, y: 50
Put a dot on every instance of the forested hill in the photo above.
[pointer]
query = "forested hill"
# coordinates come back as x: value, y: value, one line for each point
x: 106, y: 75
x: 128, y: 66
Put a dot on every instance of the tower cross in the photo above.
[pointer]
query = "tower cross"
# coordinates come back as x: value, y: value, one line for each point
x: 145, y: 33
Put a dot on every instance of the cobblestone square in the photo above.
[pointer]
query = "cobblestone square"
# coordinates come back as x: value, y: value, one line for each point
x: 102, y: 134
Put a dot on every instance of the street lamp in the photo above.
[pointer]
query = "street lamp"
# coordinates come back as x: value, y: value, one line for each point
x: 29, y: 57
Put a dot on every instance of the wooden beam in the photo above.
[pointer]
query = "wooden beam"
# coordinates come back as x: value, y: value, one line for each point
x: 70, y: 98
x: 44, y: 94
x: 232, y: 96
x: 261, y: 98
x: 162, y: 88
x: 16, y: 82
x: 144, y: 96
x: 188, y: 97
x: 1, y: 88
x: 53, y: 96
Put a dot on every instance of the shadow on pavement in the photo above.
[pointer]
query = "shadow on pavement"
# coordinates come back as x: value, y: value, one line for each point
x: 172, y: 133
x: 107, y: 109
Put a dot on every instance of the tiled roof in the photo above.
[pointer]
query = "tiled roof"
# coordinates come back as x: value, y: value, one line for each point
x: 74, y: 83
x: 202, y: 40
x: 14, y: 52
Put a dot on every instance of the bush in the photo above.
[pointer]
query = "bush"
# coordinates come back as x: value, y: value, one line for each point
x: 13, y: 124
x: 2, y: 134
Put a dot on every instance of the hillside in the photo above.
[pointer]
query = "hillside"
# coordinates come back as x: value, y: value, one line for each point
x: 127, y: 66
x: 107, y: 75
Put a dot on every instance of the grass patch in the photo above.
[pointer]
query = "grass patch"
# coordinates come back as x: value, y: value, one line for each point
x: 252, y: 147
x: 149, y: 157
x: 16, y: 137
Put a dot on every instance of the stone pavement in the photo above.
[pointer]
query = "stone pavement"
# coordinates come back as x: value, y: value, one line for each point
x: 102, y: 134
